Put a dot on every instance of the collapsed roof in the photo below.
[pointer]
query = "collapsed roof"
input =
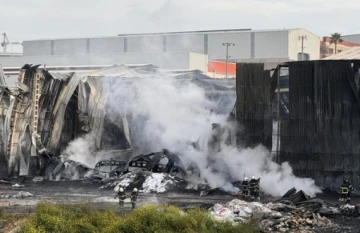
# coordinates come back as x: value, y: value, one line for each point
x: 46, y: 110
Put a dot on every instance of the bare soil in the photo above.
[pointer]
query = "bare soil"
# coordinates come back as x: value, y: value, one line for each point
x: 76, y: 192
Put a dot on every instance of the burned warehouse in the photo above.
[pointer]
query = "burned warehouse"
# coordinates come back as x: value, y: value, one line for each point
x: 46, y: 111
x: 318, y: 117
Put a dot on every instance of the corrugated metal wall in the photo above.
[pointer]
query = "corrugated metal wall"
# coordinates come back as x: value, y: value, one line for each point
x: 320, y: 138
x: 253, y: 105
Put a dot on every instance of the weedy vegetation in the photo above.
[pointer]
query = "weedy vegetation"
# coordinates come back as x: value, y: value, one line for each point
x: 58, y: 218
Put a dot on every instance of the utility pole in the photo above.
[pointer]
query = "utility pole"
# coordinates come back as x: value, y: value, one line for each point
x: 227, y: 56
x: 302, y: 38
x: 278, y: 116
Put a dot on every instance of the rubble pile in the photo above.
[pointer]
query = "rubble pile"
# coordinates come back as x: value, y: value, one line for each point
x: 147, y: 182
x: 21, y: 194
x: 135, y: 178
x: 296, y: 218
x: 272, y: 216
x: 349, y: 210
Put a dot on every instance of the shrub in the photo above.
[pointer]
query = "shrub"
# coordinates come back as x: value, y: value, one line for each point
x: 146, y: 219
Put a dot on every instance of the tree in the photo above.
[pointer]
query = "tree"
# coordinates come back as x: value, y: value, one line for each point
x: 335, y: 39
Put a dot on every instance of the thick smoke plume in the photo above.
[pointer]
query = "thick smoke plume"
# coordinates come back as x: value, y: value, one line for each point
x: 174, y: 113
x: 168, y: 113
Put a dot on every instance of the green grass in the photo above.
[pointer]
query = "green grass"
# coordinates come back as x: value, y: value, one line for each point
x: 151, y: 218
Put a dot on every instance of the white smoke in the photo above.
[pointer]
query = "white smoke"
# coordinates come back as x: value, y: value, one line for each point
x: 82, y: 150
x: 176, y: 114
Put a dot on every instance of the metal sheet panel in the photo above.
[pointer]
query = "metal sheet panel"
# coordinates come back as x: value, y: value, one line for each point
x: 241, y: 49
x: 69, y: 47
x: 321, y: 137
x: 106, y: 45
x: 253, y: 104
x: 189, y: 43
x: 37, y: 48
x: 144, y: 44
x: 271, y: 44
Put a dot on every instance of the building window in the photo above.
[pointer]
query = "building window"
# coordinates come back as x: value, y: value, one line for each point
x: 331, y: 51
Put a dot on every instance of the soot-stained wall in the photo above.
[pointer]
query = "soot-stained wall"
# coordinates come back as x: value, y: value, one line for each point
x: 321, y: 135
x: 253, y: 105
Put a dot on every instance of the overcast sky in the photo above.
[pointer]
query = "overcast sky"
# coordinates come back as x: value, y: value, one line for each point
x: 34, y: 19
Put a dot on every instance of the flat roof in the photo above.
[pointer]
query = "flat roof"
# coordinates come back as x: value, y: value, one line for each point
x: 172, y: 33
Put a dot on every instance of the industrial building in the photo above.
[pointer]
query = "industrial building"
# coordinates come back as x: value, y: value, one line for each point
x: 327, y: 48
x: 178, y: 50
x: 355, y: 38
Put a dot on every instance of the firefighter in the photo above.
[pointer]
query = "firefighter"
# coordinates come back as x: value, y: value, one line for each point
x: 351, y: 188
x: 121, y: 195
x: 134, y: 195
x: 257, y: 190
x: 252, y: 187
x: 245, y: 186
x: 345, y: 191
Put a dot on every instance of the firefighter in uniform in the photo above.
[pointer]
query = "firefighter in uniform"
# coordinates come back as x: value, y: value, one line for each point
x: 134, y: 195
x: 345, y: 191
x: 252, y: 187
x: 351, y: 188
x: 245, y: 186
x: 122, y: 196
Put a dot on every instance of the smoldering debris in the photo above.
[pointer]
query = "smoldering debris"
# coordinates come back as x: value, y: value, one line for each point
x: 107, y: 170
x: 21, y: 194
x: 272, y: 216
x: 17, y: 186
x: 147, y: 182
x: 294, y: 197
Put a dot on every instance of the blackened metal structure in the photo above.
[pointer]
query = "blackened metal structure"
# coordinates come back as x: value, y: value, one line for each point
x: 320, y: 135
x: 254, y: 92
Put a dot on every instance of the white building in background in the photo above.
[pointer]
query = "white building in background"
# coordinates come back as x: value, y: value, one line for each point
x: 178, y: 50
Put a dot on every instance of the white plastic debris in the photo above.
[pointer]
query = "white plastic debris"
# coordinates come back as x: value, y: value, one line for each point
x: 124, y: 181
x: 347, y: 206
x: 157, y: 182
x: 22, y: 194
x: 16, y: 186
x: 38, y: 179
x: 238, y: 210
x: 222, y: 213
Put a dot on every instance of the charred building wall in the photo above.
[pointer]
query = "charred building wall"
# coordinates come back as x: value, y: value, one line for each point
x: 45, y: 110
x: 254, y: 92
x: 321, y: 136
x: 320, y: 133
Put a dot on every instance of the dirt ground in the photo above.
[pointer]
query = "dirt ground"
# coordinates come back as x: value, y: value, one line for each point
x: 71, y: 192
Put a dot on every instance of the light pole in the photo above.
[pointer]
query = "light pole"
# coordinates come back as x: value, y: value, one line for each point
x: 227, y: 56
x: 302, y: 38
